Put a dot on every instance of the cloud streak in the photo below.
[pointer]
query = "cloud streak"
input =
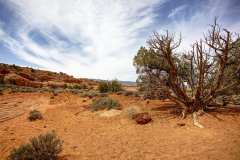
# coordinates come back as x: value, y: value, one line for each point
x: 177, y: 10
x: 98, y: 39
x: 193, y: 23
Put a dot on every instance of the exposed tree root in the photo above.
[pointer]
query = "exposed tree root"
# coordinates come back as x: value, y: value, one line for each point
x: 184, y: 112
x: 195, y: 120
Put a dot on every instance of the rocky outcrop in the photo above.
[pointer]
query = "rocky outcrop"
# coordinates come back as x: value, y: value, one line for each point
x: 54, y: 84
x: 27, y: 76
x: 18, y: 80
x: 4, y: 71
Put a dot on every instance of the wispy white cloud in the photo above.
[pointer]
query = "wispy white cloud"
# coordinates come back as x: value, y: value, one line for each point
x: 176, y: 11
x: 193, y: 27
x: 104, y: 35
x: 98, y: 38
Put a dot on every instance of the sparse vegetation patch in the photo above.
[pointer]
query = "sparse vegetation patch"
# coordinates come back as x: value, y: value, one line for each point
x: 43, y: 147
x: 104, y: 103
x: 110, y: 86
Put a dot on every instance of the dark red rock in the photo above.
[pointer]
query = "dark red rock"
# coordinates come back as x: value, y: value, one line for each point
x: 142, y: 118
x: 181, y: 124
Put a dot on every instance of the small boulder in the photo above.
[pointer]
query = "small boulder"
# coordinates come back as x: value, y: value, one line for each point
x: 143, y: 118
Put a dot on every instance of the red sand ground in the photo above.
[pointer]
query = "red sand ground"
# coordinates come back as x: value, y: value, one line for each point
x: 88, y: 136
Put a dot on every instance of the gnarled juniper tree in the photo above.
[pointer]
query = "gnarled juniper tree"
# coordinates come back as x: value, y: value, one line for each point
x: 192, y: 79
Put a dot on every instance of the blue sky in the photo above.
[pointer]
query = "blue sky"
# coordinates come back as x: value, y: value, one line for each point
x: 99, y: 38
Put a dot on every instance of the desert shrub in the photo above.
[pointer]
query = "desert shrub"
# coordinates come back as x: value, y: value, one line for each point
x: 21, y: 153
x: 109, y: 86
x: 76, y: 86
x: 32, y: 70
x: 43, y: 147
x: 82, y: 86
x: 104, y: 103
x: 25, y: 89
x: 35, y: 115
x: 115, y: 86
x: 65, y: 86
x: 17, y: 68
x: 103, y: 87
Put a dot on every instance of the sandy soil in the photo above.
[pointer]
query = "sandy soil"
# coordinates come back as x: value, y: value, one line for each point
x: 88, y: 136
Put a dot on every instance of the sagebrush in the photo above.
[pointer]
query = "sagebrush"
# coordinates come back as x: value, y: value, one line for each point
x: 104, y: 103
x: 44, y: 147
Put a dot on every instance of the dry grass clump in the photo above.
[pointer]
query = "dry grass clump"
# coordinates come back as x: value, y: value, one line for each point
x: 43, y: 147
x: 104, y: 103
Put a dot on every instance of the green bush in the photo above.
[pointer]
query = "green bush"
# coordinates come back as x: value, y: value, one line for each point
x: 43, y: 147
x: 103, y: 87
x: 109, y: 86
x: 104, y: 103
x: 35, y: 115
x: 115, y: 86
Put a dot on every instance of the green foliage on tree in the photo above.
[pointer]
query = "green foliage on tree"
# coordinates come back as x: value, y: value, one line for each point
x: 149, y: 66
x: 232, y: 71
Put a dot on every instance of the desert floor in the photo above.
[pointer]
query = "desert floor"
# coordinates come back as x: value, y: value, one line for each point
x: 89, y: 136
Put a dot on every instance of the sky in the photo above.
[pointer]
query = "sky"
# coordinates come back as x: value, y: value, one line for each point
x: 99, y: 38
